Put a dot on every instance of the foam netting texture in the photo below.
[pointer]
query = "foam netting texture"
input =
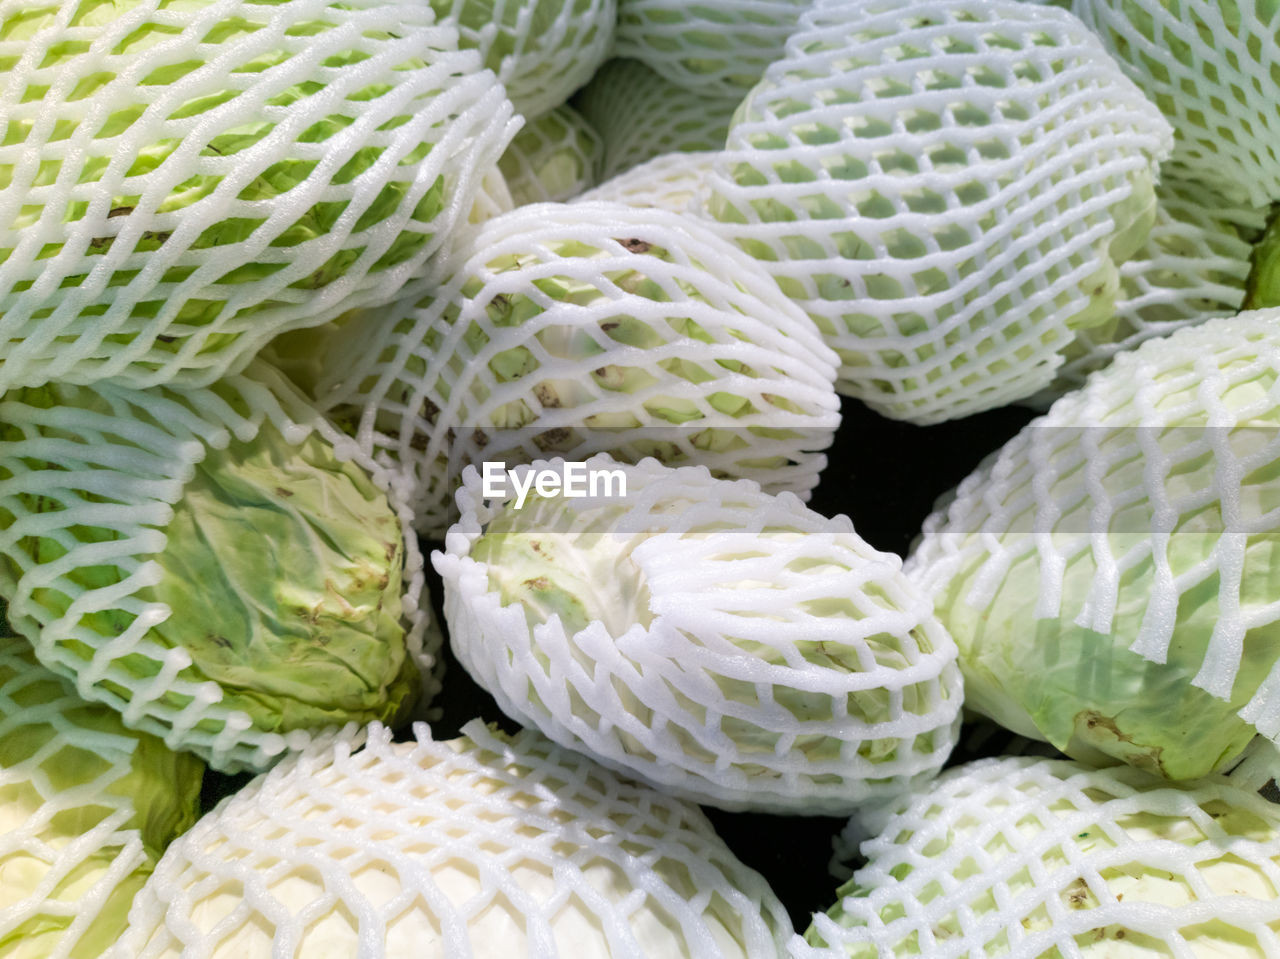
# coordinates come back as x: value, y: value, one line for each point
x: 554, y: 157
x: 493, y: 198
x: 575, y: 329
x: 1152, y: 489
x: 1211, y: 67
x: 1025, y: 858
x: 946, y: 187
x: 481, y: 846
x: 542, y: 50
x: 1193, y: 267
x: 70, y: 847
x: 672, y: 181
x: 182, y: 183
x: 751, y: 654
x: 717, y: 47
x: 640, y: 115
x: 116, y: 460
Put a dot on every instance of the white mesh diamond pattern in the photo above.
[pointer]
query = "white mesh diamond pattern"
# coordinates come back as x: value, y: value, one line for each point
x: 946, y: 187
x: 639, y: 115
x: 1026, y: 858
x: 483, y: 846
x: 1211, y: 68
x: 581, y: 328
x: 88, y: 487
x: 182, y: 182
x: 1139, y: 513
x: 542, y: 50
x: 553, y: 158
x: 74, y: 846
x: 717, y: 47
x: 725, y: 645
x: 672, y: 181
x: 1193, y: 267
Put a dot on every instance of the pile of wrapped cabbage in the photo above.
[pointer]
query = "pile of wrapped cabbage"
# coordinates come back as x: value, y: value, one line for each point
x: 639, y: 479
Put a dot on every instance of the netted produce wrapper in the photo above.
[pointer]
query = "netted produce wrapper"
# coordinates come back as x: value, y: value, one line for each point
x: 86, y: 808
x: 641, y: 114
x: 181, y: 182
x: 1110, y: 575
x: 485, y: 846
x: 1025, y: 858
x: 542, y: 50
x: 717, y: 48
x: 672, y: 181
x: 219, y: 564
x: 1194, y: 266
x: 947, y: 187
x: 1210, y: 67
x: 580, y: 328
x: 553, y: 158
x: 723, y: 644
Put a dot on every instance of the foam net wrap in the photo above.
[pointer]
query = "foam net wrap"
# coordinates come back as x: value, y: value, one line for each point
x: 112, y: 522
x: 575, y: 329
x: 1128, y: 535
x: 86, y: 806
x: 946, y: 187
x: 181, y: 183
x: 482, y: 846
x: 725, y: 645
x: 1193, y: 267
x: 1211, y: 67
x: 672, y: 181
x: 1026, y: 858
x: 639, y: 115
x: 717, y: 47
x: 552, y: 158
x: 542, y: 50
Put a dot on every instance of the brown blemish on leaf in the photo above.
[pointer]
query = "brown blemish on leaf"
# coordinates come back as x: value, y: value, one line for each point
x: 547, y: 396
x: 634, y: 245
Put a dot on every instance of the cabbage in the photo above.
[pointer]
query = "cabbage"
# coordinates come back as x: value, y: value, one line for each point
x: 86, y: 809
x: 1027, y: 858
x: 487, y: 845
x: 208, y: 562
x: 1110, y: 575
x: 720, y: 643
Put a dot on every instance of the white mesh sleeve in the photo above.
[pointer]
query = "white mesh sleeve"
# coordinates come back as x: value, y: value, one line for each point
x: 183, y: 182
x: 493, y: 198
x: 542, y: 50
x: 574, y: 329
x: 1025, y: 858
x: 947, y: 187
x: 672, y: 181
x: 553, y: 158
x: 1138, y: 515
x: 717, y: 47
x: 485, y: 846
x: 1193, y: 267
x: 86, y: 807
x: 639, y: 115
x: 89, y: 484
x: 723, y: 644
x: 1210, y: 66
